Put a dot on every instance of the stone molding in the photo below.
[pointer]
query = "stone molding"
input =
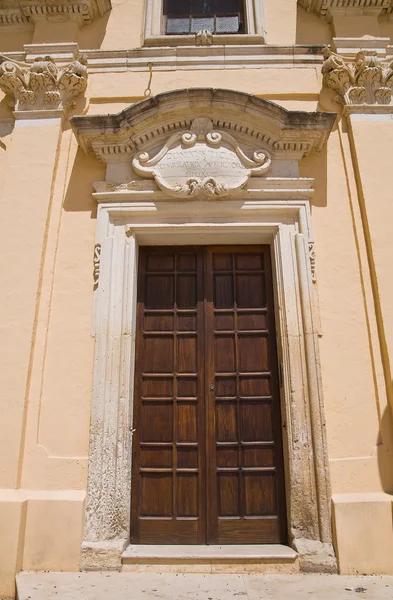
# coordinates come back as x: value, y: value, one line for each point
x: 367, y: 80
x: 325, y: 8
x: 82, y: 12
x: 286, y: 225
x: 179, y: 58
x: 41, y: 85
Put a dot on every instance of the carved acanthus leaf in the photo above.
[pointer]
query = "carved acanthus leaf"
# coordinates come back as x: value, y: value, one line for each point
x: 366, y: 80
x: 201, y: 161
x: 42, y: 85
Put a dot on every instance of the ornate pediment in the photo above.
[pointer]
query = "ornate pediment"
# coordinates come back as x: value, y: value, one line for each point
x: 252, y: 121
x: 201, y: 143
x: 324, y: 8
x: 30, y: 11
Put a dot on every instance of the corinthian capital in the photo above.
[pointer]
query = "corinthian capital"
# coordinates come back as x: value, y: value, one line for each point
x: 42, y: 85
x: 367, y: 80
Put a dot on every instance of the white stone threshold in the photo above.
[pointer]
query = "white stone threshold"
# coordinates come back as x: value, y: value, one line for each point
x: 202, y: 553
x: 235, y: 559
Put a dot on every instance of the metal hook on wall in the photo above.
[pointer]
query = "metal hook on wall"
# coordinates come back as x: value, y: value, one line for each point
x: 147, y: 91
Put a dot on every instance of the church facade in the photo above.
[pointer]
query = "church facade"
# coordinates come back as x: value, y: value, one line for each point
x: 196, y: 301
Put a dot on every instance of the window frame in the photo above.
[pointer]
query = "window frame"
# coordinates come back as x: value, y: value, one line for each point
x: 154, y: 31
x: 189, y: 15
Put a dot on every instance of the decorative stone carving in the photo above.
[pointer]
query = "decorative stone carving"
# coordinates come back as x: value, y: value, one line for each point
x: 367, y: 80
x: 257, y: 124
x: 355, y: 7
x: 204, y: 37
x: 41, y: 85
x: 311, y: 254
x: 201, y: 161
x: 30, y: 11
x: 96, y: 263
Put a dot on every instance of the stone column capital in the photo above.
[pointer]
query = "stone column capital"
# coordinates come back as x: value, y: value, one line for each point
x: 41, y: 87
x: 364, y: 82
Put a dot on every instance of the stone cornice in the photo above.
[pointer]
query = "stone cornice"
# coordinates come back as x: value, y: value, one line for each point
x: 324, y: 8
x: 41, y: 85
x: 149, y: 123
x: 367, y: 80
x: 82, y: 12
x: 186, y: 57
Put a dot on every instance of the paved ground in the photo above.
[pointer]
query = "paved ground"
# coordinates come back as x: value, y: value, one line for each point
x: 147, y: 586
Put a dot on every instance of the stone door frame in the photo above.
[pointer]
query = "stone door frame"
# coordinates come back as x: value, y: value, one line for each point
x: 285, y: 224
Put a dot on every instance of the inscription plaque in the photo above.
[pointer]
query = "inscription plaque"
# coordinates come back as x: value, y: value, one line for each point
x: 201, y: 161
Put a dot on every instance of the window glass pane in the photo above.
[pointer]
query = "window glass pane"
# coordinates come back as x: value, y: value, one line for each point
x: 201, y: 7
x: 227, y: 24
x: 226, y: 7
x: 202, y: 23
x: 177, y: 7
x: 177, y: 25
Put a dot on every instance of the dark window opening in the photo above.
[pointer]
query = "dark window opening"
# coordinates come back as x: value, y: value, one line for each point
x: 184, y: 17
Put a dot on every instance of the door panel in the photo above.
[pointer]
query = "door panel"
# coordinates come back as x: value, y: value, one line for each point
x: 246, y: 488
x: 206, y: 474
x: 168, y: 498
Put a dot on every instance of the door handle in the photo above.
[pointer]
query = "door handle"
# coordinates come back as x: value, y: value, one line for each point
x: 212, y: 387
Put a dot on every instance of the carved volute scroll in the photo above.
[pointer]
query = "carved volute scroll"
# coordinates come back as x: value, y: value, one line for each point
x: 366, y: 80
x: 42, y: 85
x: 201, y: 161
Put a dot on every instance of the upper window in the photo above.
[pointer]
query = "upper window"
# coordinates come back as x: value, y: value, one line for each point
x: 178, y: 22
x: 184, y: 17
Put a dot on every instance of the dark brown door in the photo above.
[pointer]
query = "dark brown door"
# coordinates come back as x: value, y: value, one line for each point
x: 207, y: 448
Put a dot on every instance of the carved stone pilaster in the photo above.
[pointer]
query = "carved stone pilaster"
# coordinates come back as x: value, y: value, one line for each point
x: 324, y: 8
x: 81, y: 12
x: 42, y: 85
x: 367, y: 80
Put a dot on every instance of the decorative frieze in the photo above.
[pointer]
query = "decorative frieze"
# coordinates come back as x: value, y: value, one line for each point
x: 41, y: 85
x: 30, y: 11
x: 367, y: 80
x: 324, y: 8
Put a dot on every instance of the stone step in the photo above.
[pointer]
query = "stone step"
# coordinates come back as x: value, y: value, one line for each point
x: 255, y: 558
x: 150, y: 586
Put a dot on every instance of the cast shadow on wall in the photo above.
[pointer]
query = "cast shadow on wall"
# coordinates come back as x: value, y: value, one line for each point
x: 385, y: 452
x: 91, y: 36
x: 85, y: 170
x: 312, y: 30
x: 315, y: 166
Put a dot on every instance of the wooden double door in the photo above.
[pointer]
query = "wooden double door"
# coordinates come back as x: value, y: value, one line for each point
x: 207, y: 444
